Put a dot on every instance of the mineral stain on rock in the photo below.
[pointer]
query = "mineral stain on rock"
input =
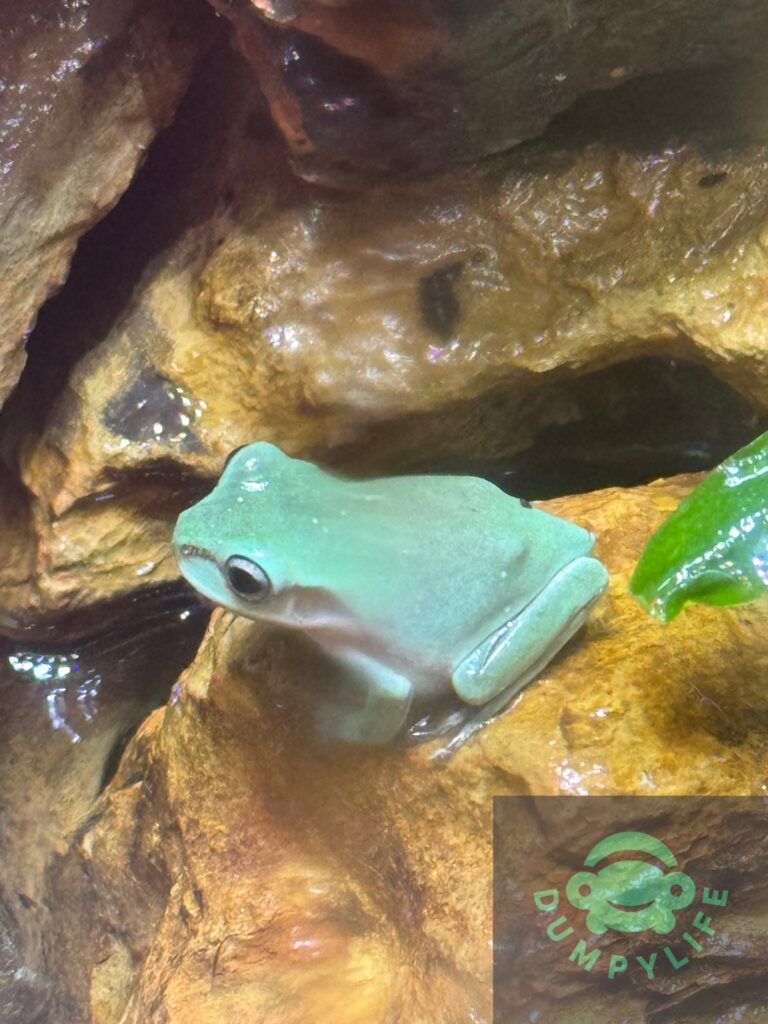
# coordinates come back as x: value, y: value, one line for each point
x: 343, y: 102
x: 710, y: 180
x: 439, y: 304
x: 344, y: 94
x: 154, y: 409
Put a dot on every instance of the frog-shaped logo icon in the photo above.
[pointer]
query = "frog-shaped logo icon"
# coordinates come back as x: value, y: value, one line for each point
x: 630, y: 895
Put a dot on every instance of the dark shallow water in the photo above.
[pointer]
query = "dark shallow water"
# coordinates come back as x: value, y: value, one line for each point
x: 73, y: 692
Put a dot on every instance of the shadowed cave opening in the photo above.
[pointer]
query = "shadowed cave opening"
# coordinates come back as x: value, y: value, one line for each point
x: 623, y: 425
x: 631, y: 423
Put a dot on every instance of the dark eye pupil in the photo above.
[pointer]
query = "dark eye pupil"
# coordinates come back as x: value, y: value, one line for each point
x: 243, y: 582
x: 246, y: 578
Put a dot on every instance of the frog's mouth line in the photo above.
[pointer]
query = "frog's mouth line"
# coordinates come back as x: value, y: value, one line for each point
x: 630, y: 910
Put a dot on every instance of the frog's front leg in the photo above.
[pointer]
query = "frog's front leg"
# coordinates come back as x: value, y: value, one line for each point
x: 387, y: 700
x: 514, y: 654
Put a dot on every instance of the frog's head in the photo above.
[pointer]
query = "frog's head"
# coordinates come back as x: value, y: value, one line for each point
x: 630, y: 895
x: 226, y: 544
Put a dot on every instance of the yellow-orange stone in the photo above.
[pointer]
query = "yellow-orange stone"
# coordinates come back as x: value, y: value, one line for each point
x: 241, y: 869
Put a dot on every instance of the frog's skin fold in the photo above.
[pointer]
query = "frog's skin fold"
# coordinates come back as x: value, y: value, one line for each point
x: 713, y: 549
x: 414, y: 584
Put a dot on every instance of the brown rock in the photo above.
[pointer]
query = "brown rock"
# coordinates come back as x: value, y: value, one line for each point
x: 17, y: 547
x: 392, y: 86
x: 434, y: 324
x: 86, y: 88
x: 239, y: 866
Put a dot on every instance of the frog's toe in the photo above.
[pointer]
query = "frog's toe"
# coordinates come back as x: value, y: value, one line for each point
x: 436, y: 724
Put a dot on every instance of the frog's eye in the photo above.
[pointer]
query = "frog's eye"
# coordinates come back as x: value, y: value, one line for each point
x: 247, y: 579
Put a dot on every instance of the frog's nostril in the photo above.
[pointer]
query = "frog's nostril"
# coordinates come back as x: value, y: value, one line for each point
x: 192, y: 551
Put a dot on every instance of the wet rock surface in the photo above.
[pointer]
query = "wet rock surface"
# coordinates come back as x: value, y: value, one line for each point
x: 85, y: 89
x: 237, y: 863
x: 369, y: 88
x: 583, y: 310
x: 72, y: 695
x: 463, y: 310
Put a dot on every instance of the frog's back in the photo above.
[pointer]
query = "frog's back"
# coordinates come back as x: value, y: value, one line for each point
x: 464, y: 509
x: 433, y: 512
x: 437, y: 559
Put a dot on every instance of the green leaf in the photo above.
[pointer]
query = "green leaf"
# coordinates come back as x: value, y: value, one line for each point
x: 713, y: 549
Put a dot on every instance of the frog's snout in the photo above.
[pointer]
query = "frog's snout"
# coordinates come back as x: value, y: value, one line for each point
x: 190, y: 527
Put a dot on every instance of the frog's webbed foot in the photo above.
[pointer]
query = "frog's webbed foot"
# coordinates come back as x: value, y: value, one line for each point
x: 513, y: 655
x: 485, y: 714
x: 385, y: 707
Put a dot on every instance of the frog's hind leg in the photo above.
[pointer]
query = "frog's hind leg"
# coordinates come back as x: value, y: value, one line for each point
x: 387, y: 701
x: 519, y: 650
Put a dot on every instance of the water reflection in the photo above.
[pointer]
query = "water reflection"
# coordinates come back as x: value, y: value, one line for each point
x: 73, y: 691
x: 72, y: 683
x: 69, y: 688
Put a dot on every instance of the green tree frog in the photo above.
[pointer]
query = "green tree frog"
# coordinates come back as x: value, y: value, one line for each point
x: 414, y: 584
